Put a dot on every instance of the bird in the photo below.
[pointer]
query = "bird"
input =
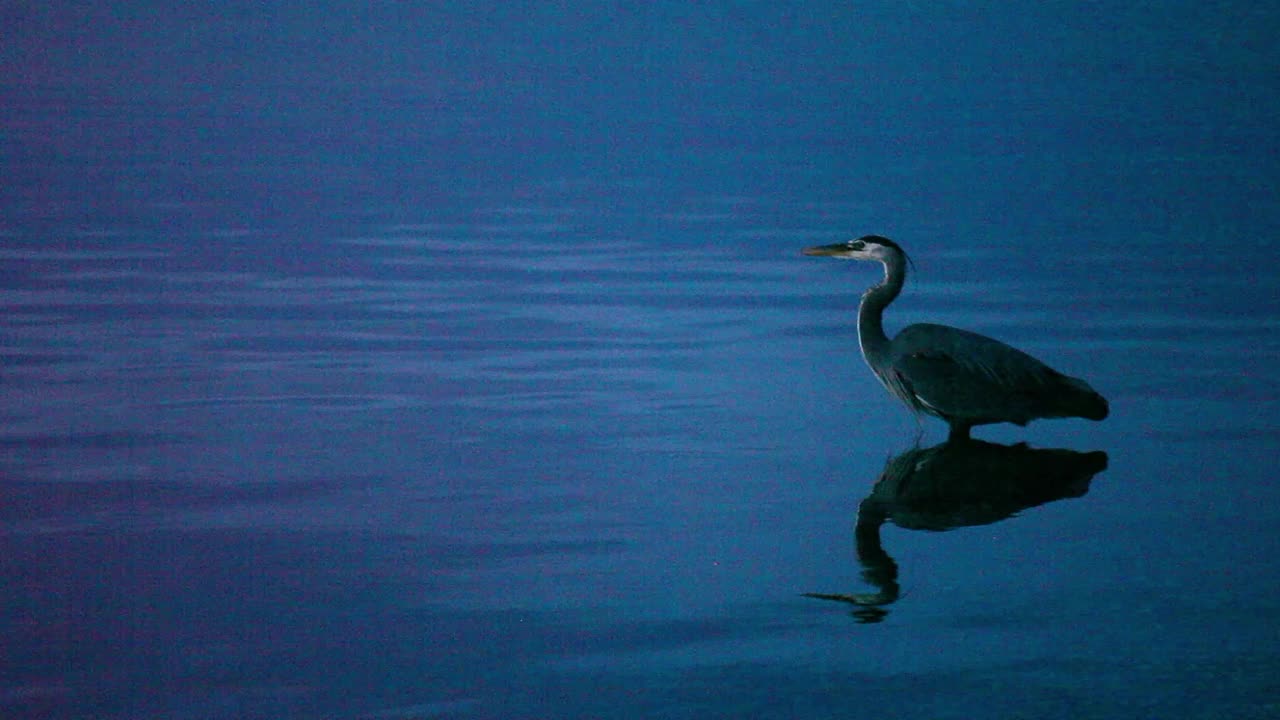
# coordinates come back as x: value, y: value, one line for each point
x: 962, y: 377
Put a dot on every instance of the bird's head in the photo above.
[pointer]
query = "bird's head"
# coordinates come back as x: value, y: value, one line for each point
x: 867, y: 247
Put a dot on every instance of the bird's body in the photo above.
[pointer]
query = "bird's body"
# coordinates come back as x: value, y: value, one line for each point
x: 962, y: 377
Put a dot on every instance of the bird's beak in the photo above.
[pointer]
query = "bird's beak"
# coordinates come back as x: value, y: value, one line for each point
x: 827, y: 250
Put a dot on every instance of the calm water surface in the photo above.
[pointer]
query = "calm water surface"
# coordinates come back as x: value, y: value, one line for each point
x: 571, y: 455
x: 480, y: 407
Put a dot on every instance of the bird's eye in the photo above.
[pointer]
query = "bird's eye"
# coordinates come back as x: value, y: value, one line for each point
x: 856, y: 244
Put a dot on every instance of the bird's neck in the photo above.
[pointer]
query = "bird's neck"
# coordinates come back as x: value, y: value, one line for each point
x: 875, y: 344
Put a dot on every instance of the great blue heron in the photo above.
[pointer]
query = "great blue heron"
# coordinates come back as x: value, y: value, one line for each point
x: 961, y: 377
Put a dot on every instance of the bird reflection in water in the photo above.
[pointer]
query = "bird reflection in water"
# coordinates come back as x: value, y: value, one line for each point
x: 956, y: 484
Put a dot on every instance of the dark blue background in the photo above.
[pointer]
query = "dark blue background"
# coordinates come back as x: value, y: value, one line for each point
x: 443, y: 360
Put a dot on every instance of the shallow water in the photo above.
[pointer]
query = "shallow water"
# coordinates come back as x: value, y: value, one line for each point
x: 514, y: 464
x: 571, y: 429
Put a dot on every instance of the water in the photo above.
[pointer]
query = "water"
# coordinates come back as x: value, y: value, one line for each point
x: 516, y: 399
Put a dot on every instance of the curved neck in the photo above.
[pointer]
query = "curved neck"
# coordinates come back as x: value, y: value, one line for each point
x: 871, y: 335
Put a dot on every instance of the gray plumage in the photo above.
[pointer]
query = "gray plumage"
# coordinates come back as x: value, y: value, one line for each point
x: 961, y: 377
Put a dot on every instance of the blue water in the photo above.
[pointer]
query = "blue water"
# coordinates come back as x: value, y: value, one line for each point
x: 373, y: 363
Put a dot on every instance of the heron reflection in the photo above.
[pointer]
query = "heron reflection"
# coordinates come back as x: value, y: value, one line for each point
x: 952, y: 485
x: 959, y: 376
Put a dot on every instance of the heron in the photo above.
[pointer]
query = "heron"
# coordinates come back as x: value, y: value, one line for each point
x: 961, y: 377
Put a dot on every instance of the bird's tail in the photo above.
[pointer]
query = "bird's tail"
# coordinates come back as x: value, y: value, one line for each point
x: 1083, y: 401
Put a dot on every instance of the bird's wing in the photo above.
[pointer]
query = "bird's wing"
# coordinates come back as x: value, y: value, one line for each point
x: 959, y: 373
